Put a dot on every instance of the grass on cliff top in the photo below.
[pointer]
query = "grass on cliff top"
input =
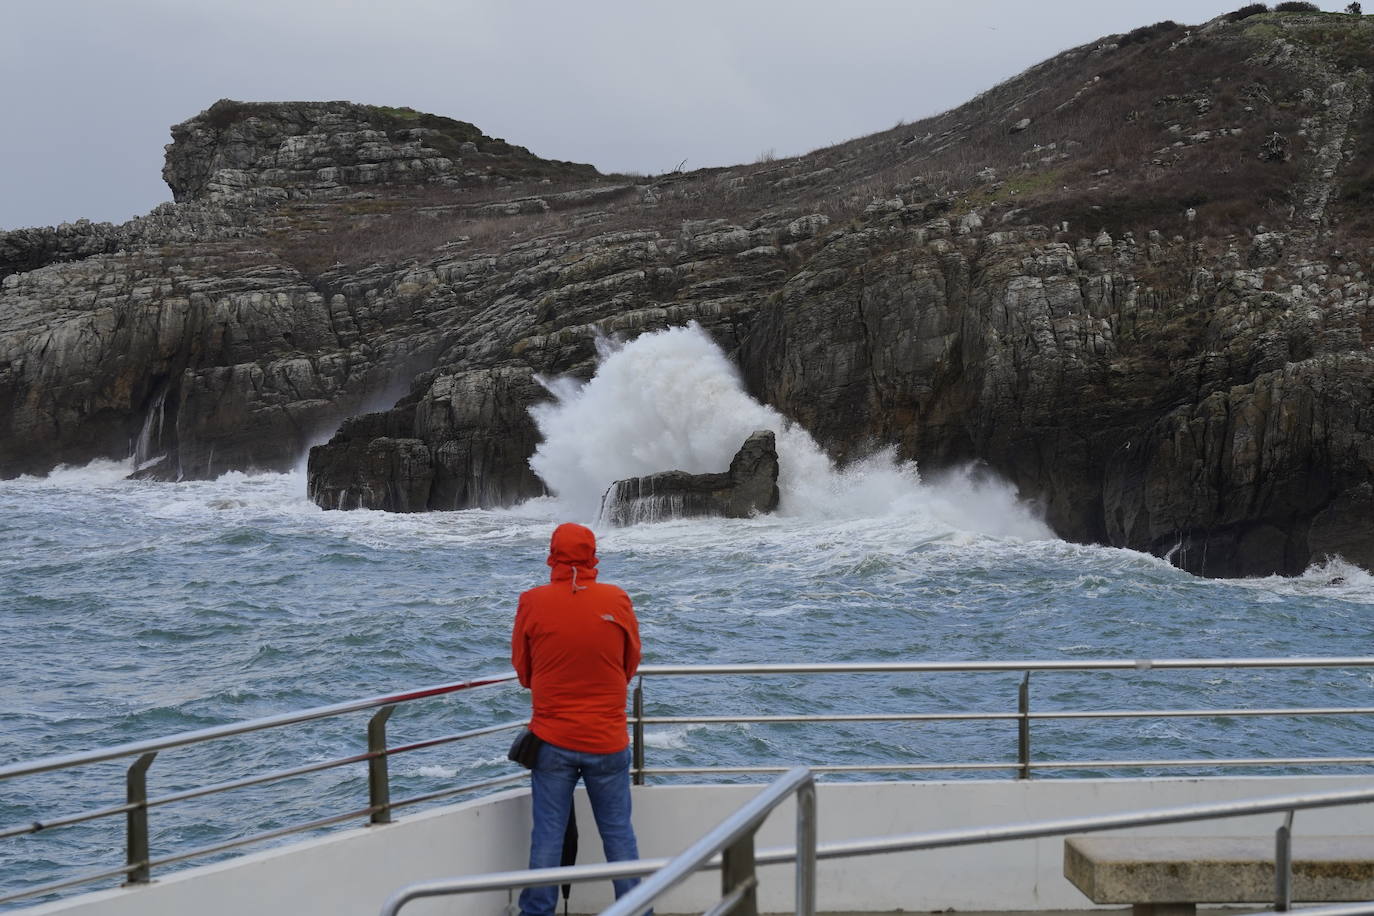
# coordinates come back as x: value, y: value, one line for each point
x: 1115, y: 141
x: 1140, y: 133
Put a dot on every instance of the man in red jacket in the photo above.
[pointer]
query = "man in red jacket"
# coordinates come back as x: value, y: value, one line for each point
x: 576, y: 646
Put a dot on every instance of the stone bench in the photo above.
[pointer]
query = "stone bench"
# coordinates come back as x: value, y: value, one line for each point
x: 1169, y: 876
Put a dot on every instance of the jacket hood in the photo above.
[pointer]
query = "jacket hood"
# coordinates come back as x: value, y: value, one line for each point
x: 572, y: 554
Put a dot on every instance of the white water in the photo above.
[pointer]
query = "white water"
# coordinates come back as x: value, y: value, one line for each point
x: 671, y: 400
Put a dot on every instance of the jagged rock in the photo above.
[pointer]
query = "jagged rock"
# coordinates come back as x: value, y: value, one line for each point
x: 29, y: 249
x: 23, y: 250
x: 1266, y: 249
x: 380, y: 473
x: 1222, y: 483
x: 1034, y: 367
x: 239, y: 365
x: 748, y: 488
x: 460, y: 442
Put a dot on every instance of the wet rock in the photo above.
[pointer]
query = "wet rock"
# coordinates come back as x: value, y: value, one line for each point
x: 1342, y: 528
x: 460, y: 442
x: 380, y: 473
x: 748, y: 488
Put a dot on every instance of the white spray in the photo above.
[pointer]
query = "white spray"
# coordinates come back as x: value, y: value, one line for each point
x: 671, y: 400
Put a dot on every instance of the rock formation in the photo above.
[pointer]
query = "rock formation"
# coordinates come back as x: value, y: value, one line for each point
x: 237, y: 151
x: 748, y: 488
x: 1134, y: 280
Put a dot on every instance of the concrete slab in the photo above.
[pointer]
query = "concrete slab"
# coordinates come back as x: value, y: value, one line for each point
x: 1143, y: 870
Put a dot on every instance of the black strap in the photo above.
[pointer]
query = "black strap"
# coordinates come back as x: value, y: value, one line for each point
x: 569, y: 852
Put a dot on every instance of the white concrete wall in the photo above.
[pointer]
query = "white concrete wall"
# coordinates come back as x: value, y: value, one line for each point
x: 1026, y: 875
x: 352, y: 873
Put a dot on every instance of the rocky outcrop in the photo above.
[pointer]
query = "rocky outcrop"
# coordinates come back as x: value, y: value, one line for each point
x: 273, y: 151
x: 377, y: 472
x: 29, y: 249
x: 1149, y: 307
x: 748, y: 488
x: 1256, y: 478
x: 1208, y: 424
x: 23, y: 250
x: 235, y: 363
x: 450, y: 443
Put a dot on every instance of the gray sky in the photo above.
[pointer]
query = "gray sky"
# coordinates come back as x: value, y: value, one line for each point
x: 88, y: 88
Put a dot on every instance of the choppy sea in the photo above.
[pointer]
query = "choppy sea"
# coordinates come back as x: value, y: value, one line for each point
x: 131, y: 609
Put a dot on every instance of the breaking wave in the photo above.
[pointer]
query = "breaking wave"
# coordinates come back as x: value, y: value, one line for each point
x: 671, y: 400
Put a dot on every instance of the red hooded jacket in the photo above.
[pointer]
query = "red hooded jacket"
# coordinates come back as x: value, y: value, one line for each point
x: 576, y: 646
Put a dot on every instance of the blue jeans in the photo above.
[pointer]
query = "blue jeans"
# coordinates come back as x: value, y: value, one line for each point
x: 607, y: 778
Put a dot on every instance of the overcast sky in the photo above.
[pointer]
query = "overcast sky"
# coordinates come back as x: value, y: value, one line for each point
x: 89, y: 88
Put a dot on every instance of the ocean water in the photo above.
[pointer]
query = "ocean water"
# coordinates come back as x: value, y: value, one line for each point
x: 131, y: 609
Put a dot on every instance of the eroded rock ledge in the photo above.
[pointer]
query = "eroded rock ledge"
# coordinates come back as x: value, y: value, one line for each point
x: 748, y: 488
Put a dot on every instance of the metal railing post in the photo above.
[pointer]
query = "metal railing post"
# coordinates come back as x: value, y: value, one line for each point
x: 1283, y: 865
x: 806, y: 849
x: 136, y: 820
x: 637, y: 767
x: 378, y: 781
x: 1023, y: 728
x: 737, y: 872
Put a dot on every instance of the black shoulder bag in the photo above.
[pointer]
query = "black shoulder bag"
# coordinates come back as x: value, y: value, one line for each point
x: 524, y: 750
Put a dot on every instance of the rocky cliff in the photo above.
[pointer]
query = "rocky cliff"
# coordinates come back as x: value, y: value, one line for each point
x: 1133, y: 280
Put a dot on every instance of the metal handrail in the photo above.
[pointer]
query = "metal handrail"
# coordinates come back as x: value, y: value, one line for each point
x: 731, y: 839
x: 138, y: 804
x: 1002, y: 716
x: 738, y: 860
x: 1099, y: 664
x: 699, y: 856
x: 64, y: 761
x: 139, y: 864
x: 1209, y: 762
x: 970, y: 836
x: 1023, y: 716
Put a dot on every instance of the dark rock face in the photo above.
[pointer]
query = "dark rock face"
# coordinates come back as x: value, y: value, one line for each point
x: 29, y: 249
x: 237, y: 364
x: 448, y: 447
x: 748, y: 488
x: 1159, y: 331
x: 1342, y: 528
x: 378, y: 473
x: 1237, y: 483
x: 1050, y: 362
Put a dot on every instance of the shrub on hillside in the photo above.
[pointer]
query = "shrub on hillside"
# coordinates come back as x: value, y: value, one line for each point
x: 1297, y: 6
x: 1147, y: 32
x: 1245, y: 12
x: 225, y: 112
x: 1354, y: 9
